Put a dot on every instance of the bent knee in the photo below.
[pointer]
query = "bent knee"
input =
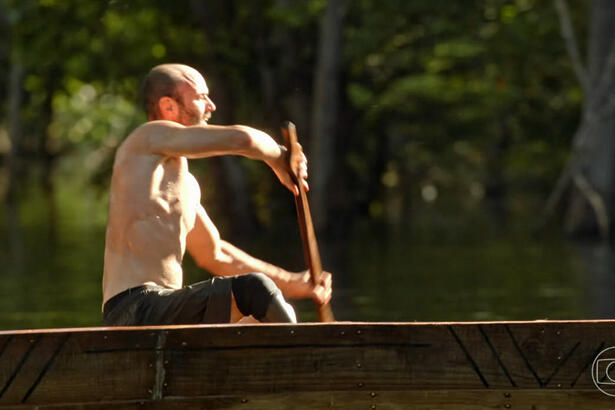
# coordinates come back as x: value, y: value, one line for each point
x: 253, y: 293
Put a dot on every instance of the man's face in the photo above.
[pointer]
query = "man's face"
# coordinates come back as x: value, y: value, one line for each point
x: 195, y: 106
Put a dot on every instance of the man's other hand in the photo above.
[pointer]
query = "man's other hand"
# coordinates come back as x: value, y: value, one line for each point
x: 300, y: 286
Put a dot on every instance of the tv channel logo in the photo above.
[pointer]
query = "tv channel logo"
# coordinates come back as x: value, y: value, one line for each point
x: 603, y: 371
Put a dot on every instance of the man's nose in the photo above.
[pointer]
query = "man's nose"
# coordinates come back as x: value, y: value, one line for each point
x: 210, y: 105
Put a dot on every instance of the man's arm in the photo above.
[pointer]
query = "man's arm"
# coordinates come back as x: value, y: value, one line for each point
x: 221, y: 258
x: 171, y: 139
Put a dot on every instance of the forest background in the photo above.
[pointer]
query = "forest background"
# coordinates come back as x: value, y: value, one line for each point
x: 457, y: 131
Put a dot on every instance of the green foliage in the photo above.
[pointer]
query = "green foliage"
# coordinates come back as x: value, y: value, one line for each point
x: 85, y: 115
x: 443, y: 104
x: 460, y: 92
x: 454, y: 96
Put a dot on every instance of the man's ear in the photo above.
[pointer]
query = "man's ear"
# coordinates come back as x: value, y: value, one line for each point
x: 168, y: 108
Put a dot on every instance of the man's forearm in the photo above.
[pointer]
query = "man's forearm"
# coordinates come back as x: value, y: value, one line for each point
x: 262, y: 147
x: 234, y: 261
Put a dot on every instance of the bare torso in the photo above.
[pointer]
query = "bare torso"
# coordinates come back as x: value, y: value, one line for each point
x: 152, y: 208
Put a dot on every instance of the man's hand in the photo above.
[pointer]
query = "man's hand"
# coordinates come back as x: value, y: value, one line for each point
x: 283, y: 171
x: 300, y: 286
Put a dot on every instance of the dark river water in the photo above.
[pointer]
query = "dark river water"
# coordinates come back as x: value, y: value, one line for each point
x: 52, y: 244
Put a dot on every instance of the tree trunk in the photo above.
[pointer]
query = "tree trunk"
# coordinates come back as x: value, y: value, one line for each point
x: 15, y: 97
x: 592, y: 171
x: 325, y: 110
x: 495, y: 182
x: 291, y: 91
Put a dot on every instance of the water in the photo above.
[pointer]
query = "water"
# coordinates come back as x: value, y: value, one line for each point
x: 52, y: 244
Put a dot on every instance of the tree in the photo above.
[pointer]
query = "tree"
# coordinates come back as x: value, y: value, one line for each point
x: 590, y: 172
x: 325, y: 108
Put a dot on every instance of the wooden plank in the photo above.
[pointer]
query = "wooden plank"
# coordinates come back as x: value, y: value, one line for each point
x: 482, y: 356
x: 388, y: 400
x: 16, y: 352
x: 561, y: 355
x: 271, y: 335
x: 85, y: 368
x: 34, y: 364
x: 415, y: 357
x: 340, y: 365
x: 519, y: 375
x: 117, y: 339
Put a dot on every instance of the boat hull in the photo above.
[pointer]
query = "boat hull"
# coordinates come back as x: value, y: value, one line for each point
x: 461, y: 365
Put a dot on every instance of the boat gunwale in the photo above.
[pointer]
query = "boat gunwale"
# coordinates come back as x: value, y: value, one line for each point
x: 302, y: 325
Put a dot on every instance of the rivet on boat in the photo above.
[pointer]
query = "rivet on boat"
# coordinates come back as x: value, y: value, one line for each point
x: 360, y: 384
x: 166, y: 384
x: 150, y: 365
x: 507, y: 395
x: 559, y: 385
x: 507, y: 405
x: 239, y: 333
x: 342, y: 333
x: 105, y: 337
x: 359, y: 365
x: 359, y: 332
x: 184, y: 344
x: 244, y: 400
x: 559, y: 357
x: 166, y: 362
x: 559, y: 332
x: 292, y: 332
x: 373, y: 406
x: 31, y: 340
x: 373, y: 394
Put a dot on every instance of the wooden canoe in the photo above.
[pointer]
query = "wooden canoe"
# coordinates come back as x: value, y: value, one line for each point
x: 343, y: 365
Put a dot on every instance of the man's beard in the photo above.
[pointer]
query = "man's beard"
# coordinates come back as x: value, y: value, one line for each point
x: 205, y: 118
x: 196, y: 119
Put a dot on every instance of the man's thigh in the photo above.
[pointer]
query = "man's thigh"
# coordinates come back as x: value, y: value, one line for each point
x: 203, y: 302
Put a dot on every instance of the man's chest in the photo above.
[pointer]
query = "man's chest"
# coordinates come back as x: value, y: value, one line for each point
x: 173, y: 184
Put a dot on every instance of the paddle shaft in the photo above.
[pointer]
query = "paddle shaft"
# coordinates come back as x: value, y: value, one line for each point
x: 308, y: 237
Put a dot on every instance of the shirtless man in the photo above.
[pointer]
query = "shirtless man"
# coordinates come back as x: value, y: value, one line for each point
x: 155, y: 215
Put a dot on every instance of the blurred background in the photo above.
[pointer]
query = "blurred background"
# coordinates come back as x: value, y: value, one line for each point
x: 461, y: 152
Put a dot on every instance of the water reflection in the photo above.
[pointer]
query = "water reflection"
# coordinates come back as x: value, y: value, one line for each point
x: 52, y: 252
x: 599, y: 263
x: 53, y: 241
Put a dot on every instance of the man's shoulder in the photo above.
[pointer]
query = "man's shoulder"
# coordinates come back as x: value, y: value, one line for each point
x: 158, y: 126
x: 138, y: 141
x: 154, y: 128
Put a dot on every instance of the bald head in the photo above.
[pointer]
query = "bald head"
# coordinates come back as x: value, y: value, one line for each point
x: 165, y: 80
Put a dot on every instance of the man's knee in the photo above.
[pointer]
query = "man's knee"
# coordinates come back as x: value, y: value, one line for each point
x: 253, y: 293
x: 257, y: 295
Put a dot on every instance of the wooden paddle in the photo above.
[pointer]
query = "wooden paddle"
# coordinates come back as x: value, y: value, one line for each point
x: 308, y: 237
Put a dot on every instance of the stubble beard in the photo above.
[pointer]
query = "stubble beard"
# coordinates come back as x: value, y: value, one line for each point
x: 195, y: 118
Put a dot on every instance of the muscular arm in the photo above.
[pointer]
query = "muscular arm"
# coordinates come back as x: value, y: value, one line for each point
x: 171, y: 139
x: 223, y: 259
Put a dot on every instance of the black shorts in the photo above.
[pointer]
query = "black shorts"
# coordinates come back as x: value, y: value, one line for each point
x: 202, y: 302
